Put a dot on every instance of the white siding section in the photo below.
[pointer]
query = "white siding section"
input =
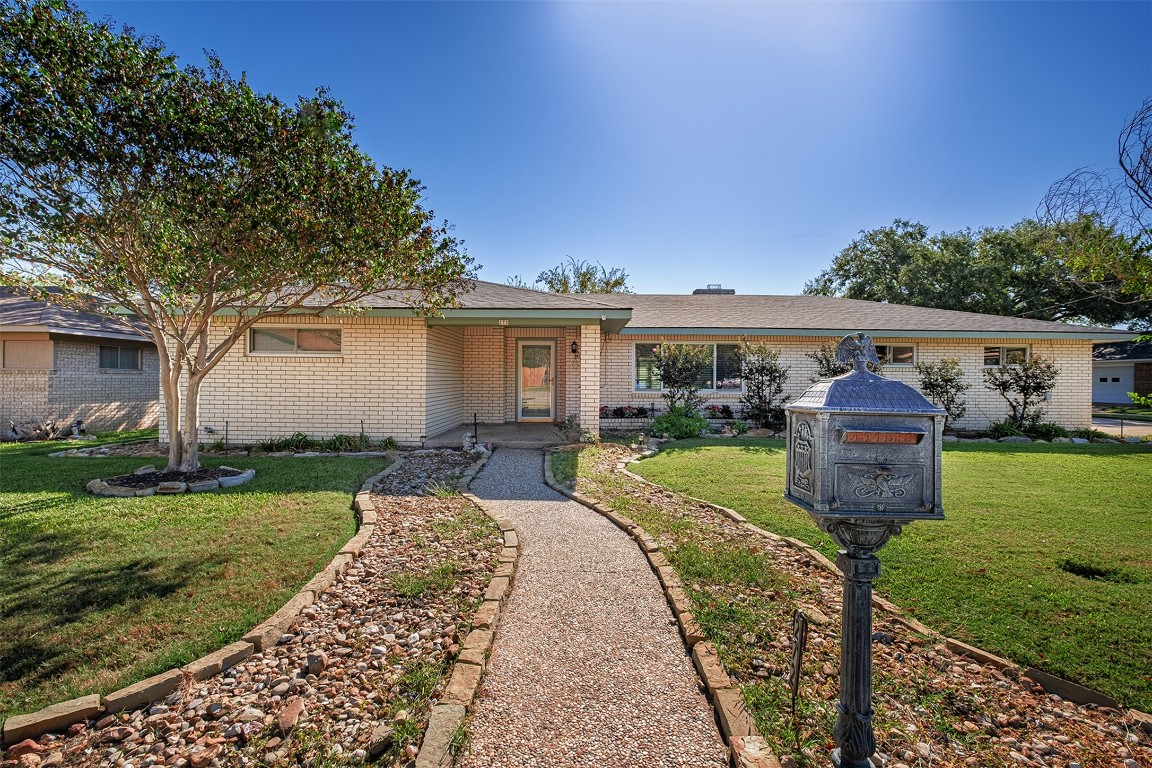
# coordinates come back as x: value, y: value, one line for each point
x: 445, y: 379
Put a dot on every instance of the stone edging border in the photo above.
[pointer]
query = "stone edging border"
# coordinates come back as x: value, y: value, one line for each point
x: 99, y: 487
x: 1065, y: 689
x: 468, y: 670
x: 264, y: 635
x: 747, y: 747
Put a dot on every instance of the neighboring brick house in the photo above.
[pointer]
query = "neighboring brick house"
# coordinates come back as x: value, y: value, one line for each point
x: 62, y: 365
x: 1119, y: 368
x: 510, y: 354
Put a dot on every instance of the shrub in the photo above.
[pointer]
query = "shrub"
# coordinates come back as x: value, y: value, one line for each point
x: 719, y: 412
x: 297, y: 441
x: 1004, y: 428
x: 1087, y: 433
x: 764, y: 379
x: 680, y: 367
x: 1024, y: 386
x: 679, y: 423
x: 346, y: 443
x: 1046, y: 430
x: 740, y: 427
x: 943, y: 383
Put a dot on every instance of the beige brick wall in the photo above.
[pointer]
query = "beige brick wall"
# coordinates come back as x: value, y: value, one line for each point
x: 1070, y: 404
x: 379, y: 377
x: 445, y: 379
x: 77, y: 388
x: 591, y: 346
x: 490, y: 370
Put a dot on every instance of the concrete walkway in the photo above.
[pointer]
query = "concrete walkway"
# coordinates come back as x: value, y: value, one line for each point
x: 1122, y: 427
x: 587, y: 668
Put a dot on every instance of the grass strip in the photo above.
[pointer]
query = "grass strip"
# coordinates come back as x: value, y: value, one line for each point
x: 1045, y: 556
x: 96, y: 593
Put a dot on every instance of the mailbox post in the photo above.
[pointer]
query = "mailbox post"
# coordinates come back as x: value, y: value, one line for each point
x: 863, y: 460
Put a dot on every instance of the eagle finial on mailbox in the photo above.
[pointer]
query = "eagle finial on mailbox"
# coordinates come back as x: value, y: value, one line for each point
x: 857, y: 349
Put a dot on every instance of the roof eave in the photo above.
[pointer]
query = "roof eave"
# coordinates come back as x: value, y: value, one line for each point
x: 1102, y: 334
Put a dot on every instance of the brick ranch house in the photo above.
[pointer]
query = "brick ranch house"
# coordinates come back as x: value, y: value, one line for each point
x: 516, y: 355
x: 61, y: 364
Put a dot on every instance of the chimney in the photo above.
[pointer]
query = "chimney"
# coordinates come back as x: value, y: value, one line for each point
x: 714, y: 289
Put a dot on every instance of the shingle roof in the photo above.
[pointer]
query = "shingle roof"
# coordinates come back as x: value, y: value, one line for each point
x: 820, y: 313
x: 1122, y: 351
x: 16, y: 308
x: 486, y: 295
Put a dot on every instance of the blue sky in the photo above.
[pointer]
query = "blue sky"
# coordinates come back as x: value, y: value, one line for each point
x: 694, y: 143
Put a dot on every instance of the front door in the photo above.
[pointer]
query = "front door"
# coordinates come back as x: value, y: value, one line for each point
x: 536, y: 382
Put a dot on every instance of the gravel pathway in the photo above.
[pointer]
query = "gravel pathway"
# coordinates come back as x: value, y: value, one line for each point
x: 587, y: 668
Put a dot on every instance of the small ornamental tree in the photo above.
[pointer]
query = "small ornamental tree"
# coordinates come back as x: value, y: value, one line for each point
x: 828, y: 366
x: 680, y: 367
x: 942, y: 382
x: 185, y: 197
x: 1024, y: 386
x: 764, y: 379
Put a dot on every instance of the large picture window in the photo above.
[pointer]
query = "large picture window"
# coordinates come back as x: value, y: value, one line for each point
x: 119, y: 358
x: 295, y: 341
x: 722, y: 371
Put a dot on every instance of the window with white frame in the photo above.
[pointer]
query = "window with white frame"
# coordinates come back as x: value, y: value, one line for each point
x: 896, y: 354
x: 994, y: 357
x: 119, y: 358
x: 294, y: 341
x: 721, y: 372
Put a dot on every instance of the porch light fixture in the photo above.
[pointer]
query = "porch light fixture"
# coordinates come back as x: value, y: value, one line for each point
x: 575, y: 348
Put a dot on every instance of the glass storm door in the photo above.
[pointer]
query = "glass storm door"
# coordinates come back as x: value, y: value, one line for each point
x: 535, y: 393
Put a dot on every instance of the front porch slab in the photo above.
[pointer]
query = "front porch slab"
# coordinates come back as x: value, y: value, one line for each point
x: 511, y: 435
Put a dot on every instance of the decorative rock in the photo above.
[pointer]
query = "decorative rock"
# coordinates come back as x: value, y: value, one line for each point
x: 203, y: 485
x: 144, y: 470
x: 317, y: 662
x: 25, y: 747
x: 289, y: 716
x: 145, y: 691
x: 172, y: 487
x: 1015, y: 439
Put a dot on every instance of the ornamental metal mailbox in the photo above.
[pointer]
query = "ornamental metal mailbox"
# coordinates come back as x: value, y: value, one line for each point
x: 861, y: 445
x: 864, y: 460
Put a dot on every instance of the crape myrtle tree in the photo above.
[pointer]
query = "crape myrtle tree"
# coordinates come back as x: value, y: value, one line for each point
x: 1023, y: 386
x: 943, y: 383
x: 681, y: 366
x: 764, y: 379
x: 182, y: 195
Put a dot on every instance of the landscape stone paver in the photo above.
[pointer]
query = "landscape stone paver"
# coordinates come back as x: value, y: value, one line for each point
x: 587, y: 668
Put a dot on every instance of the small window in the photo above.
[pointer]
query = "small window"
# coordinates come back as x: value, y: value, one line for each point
x: 1115, y: 379
x: 295, y: 341
x: 1104, y: 379
x: 120, y: 358
x: 994, y: 357
x: 896, y: 354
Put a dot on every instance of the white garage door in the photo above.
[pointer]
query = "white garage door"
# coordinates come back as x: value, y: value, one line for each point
x: 1112, y: 383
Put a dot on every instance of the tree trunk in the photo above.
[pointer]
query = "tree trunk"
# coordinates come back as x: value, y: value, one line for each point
x: 170, y: 383
x: 190, y: 461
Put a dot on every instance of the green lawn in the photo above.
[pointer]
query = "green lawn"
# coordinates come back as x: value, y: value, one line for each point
x: 98, y: 592
x: 996, y: 571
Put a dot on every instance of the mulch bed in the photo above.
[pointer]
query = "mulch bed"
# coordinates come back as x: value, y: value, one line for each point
x: 151, y: 479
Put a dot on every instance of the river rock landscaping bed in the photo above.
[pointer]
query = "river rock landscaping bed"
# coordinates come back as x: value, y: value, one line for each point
x: 934, y: 707
x: 354, y: 677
